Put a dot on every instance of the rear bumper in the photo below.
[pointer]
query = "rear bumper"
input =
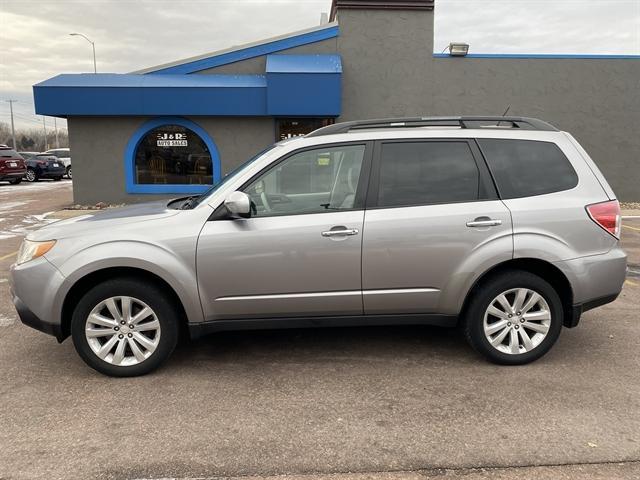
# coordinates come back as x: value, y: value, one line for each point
x: 12, y: 175
x: 579, y: 309
x: 595, y: 280
x: 51, y: 172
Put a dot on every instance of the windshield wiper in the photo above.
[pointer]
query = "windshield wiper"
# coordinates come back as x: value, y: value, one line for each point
x: 188, y: 203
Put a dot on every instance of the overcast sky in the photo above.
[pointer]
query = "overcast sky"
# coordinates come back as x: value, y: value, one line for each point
x: 130, y: 35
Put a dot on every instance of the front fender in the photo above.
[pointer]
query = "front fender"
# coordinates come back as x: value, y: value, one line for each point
x: 174, y: 269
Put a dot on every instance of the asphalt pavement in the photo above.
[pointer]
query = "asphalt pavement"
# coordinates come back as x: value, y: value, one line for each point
x: 341, y: 403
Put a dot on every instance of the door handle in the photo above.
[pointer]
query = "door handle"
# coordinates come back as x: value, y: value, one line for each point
x: 484, y: 222
x: 341, y: 232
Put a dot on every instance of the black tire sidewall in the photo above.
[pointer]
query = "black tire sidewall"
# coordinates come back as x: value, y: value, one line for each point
x: 149, y: 294
x: 490, y: 289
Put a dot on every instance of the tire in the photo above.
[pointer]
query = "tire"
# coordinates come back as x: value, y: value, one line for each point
x: 513, y: 349
x: 142, y: 295
x: 57, y: 179
x: 69, y: 173
x: 15, y: 181
x: 31, y: 175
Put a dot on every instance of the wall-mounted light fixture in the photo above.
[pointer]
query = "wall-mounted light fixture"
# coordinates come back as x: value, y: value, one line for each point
x: 458, y: 49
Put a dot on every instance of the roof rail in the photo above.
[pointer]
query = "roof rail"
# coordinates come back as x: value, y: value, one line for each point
x: 523, y: 123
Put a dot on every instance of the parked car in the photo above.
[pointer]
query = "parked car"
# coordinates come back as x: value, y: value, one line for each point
x: 42, y: 165
x: 12, y: 166
x: 64, y: 155
x: 503, y: 226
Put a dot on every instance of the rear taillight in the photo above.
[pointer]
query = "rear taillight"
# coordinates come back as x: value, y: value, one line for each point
x: 607, y: 216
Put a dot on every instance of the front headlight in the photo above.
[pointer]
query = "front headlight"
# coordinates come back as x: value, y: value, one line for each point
x: 30, y: 250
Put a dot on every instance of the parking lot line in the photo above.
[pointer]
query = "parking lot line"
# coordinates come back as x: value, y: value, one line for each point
x: 9, y: 255
x: 632, y: 228
x: 632, y: 283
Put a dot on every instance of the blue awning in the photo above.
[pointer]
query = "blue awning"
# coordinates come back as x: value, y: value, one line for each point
x: 294, y: 85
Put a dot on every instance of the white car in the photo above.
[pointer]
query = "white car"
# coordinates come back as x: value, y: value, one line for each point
x: 64, y: 155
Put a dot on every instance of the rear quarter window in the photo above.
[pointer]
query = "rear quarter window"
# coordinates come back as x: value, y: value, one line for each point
x: 524, y: 168
x: 9, y: 153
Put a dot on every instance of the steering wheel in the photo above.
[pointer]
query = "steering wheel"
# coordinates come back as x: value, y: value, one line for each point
x: 265, y: 201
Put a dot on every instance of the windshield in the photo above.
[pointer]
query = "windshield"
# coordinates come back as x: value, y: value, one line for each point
x: 196, y: 201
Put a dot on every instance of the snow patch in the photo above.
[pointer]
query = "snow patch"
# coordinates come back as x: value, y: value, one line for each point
x: 6, y: 321
x: 28, y: 224
x: 11, y: 205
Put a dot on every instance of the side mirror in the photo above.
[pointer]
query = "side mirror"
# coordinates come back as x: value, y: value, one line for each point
x: 238, y: 204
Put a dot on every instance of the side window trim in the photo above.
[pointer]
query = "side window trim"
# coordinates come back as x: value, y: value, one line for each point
x: 487, y: 187
x: 361, y: 189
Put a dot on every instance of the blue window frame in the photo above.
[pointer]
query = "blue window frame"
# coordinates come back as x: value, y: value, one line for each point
x: 131, y: 174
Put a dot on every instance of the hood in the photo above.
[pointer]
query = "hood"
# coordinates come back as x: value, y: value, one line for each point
x: 104, y: 220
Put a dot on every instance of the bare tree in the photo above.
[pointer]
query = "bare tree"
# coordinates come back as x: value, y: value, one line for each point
x: 32, y: 139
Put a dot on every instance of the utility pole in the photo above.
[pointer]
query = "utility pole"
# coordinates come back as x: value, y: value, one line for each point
x: 44, y: 128
x: 55, y: 126
x: 13, y: 130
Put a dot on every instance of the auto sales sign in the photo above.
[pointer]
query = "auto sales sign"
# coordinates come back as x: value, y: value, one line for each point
x: 172, y: 140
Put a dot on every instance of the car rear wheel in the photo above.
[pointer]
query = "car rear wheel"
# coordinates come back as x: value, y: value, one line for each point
x: 69, y: 173
x: 124, y: 327
x: 514, y: 318
x: 31, y: 175
x: 15, y: 181
x: 57, y: 179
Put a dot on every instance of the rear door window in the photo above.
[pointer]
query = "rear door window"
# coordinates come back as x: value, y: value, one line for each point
x: 423, y: 173
x: 524, y: 168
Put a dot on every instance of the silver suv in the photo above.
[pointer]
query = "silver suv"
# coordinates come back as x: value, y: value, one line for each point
x: 502, y: 226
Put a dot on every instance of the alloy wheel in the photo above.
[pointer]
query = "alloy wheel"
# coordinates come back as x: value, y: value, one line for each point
x: 517, y: 321
x: 122, y: 331
x: 31, y: 176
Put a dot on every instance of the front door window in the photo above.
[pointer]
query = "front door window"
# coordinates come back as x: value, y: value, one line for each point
x: 312, y: 181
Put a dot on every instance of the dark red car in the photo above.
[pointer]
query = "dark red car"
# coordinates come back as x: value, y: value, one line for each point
x: 12, y: 166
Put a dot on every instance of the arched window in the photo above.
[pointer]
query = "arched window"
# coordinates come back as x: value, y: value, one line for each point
x: 171, y: 155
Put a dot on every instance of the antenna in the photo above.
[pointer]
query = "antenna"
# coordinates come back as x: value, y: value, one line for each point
x: 505, y: 112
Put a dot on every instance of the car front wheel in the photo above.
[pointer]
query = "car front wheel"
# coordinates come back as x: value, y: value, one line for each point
x: 514, y: 318
x: 124, y: 327
x: 69, y: 173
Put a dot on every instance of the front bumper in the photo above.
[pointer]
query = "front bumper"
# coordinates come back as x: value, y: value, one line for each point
x: 34, y: 286
x: 32, y: 320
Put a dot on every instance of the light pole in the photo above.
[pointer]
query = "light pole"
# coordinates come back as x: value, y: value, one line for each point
x: 93, y: 46
x: 44, y: 129
x: 13, y: 130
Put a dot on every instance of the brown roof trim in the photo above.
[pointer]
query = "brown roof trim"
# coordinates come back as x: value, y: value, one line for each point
x: 380, y: 5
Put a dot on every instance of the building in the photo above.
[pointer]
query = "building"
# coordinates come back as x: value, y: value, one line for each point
x: 176, y: 128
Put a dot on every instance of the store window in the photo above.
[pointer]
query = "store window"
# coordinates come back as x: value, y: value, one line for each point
x: 296, y: 127
x: 172, y: 154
